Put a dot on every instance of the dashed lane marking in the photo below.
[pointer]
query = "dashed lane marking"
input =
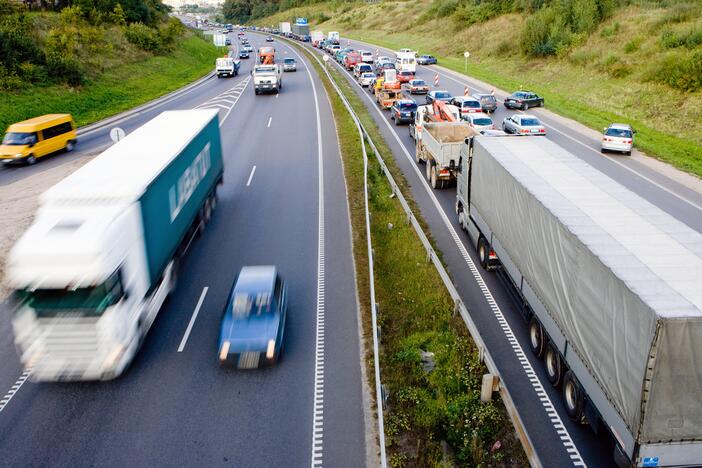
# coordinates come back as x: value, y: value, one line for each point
x: 192, y: 320
x: 253, y: 171
x: 15, y: 388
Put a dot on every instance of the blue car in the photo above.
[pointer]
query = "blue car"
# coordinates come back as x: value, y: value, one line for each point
x: 439, y: 95
x: 426, y: 60
x: 253, y: 321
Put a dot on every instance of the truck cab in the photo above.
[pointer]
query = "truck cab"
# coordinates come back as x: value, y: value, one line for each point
x: 227, y: 66
x: 267, y: 78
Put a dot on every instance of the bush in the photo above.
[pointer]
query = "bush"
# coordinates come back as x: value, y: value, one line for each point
x: 615, y: 67
x: 170, y: 32
x: 681, y: 71
x: 690, y: 38
x: 66, y: 69
x: 9, y: 81
x: 144, y: 37
x: 633, y: 45
x: 17, y: 44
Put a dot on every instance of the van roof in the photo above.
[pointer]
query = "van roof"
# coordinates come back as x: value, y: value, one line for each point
x: 31, y: 125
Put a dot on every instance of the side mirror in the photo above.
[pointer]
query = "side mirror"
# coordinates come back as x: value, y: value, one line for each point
x: 604, y: 129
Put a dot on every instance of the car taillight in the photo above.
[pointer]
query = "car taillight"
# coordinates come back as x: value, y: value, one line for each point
x: 628, y: 141
x: 525, y: 131
x: 519, y: 101
x: 542, y: 130
x: 465, y: 111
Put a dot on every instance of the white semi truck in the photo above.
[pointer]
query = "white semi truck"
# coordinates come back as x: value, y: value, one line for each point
x: 610, y: 285
x: 285, y: 28
x: 92, y: 271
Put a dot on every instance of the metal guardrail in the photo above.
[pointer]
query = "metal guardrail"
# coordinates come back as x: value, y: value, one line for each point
x: 432, y: 256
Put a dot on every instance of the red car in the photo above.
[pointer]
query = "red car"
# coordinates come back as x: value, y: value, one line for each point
x: 351, y: 59
x: 405, y: 76
x: 418, y: 87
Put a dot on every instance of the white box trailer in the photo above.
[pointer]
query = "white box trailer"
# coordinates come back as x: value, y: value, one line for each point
x: 438, y: 144
x: 611, y: 286
x: 285, y: 28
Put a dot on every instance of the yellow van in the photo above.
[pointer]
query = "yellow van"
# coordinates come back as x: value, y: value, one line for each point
x: 26, y: 141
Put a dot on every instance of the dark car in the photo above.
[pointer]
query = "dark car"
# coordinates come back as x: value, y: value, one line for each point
x: 380, y: 69
x: 440, y: 95
x: 243, y: 54
x: 523, y: 100
x: 426, y: 60
x: 403, y: 110
x: 253, y: 321
x: 487, y: 101
x: 269, y: 39
x: 227, y: 41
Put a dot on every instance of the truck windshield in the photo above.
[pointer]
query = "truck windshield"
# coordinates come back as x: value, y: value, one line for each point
x: 85, y: 302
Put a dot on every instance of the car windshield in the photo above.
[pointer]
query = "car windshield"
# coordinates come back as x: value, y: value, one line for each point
x: 246, y: 304
x: 19, y: 138
x: 408, y: 106
x: 406, y: 73
x: 618, y: 132
x: 442, y: 95
x: 418, y: 83
x: 289, y: 60
x: 482, y: 121
x: 530, y: 122
x: 368, y: 75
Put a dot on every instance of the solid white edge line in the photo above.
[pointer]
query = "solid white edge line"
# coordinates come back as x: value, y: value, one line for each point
x: 318, y: 402
x: 608, y: 158
x: 477, y: 275
x: 192, y: 320
x: 253, y: 171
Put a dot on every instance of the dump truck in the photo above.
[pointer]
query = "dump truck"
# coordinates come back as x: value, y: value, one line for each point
x: 610, y: 285
x: 102, y: 254
x: 438, y: 145
x: 387, y: 97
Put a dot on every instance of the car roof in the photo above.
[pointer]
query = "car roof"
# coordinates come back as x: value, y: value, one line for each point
x: 256, y: 278
x: 466, y: 99
x: 405, y: 101
x: 35, y: 123
x: 528, y: 116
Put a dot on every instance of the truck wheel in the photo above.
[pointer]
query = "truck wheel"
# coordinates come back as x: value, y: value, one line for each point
x: 173, y: 280
x: 427, y: 170
x: 436, y: 183
x: 536, y: 337
x: 255, y: 91
x: 483, y: 252
x: 554, y: 364
x: 208, y: 210
x: 573, y: 397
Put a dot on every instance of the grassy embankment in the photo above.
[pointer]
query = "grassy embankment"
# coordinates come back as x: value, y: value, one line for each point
x: 115, y: 73
x: 641, y: 65
x: 425, y: 408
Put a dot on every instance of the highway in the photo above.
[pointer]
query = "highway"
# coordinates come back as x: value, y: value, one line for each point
x: 283, y: 202
x: 557, y: 440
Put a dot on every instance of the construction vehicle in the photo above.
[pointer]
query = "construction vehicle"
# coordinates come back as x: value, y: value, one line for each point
x: 387, y: 97
x: 266, y: 55
x: 438, y: 143
x: 439, y: 111
x: 609, y: 284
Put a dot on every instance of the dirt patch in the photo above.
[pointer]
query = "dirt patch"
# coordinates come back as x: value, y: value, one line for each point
x: 19, y: 204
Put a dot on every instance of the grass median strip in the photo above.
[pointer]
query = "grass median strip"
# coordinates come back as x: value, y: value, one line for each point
x: 430, y: 365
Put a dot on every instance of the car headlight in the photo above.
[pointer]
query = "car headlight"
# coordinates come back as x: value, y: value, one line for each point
x: 19, y: 155
x: 224, y: 352
x: 270, y: 351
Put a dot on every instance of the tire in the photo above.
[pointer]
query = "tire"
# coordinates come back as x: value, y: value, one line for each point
x: 554, y: 364
x: 525, y: 106
x: 541, y: 104
x: 573, y: 397
x: 427, y: 170
x: 628, y: 153
x: 536, y: 337
x: 173, y: 280
x: 483, y: 252
x: 436, y: 183
x: 208, y: 210
x: 255, y: 91
x: 30, y: 160
x: 70, y: 146
x: 397, y: 122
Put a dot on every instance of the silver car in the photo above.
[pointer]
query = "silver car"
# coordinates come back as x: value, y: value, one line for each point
x: 523, y: 124
x: 479, y: 122
x: 618, y: 137
x: 289, y: 65
x: 366, y: 79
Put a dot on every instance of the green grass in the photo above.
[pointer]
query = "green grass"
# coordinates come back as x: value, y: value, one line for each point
x: 611, y: 75
x: 117, y: 89
x: 416, y: 314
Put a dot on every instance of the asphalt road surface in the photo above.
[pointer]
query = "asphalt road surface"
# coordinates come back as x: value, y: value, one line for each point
x: 179, y: 408
x: 557, y: 440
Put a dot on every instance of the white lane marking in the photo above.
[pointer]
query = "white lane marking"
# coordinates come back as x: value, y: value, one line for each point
x: 506, y: 328
x: 243, y: 85
x: 253, y: 171
x: 270, y: 119
x: 15, y: 388
x: 464, y: 82
x: 192, y: 320
x: 318, y: 406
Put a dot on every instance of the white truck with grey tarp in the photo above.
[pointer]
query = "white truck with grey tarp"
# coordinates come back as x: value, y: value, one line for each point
x: 610, y: 284
x: 438, y: 144
x: 92, y: 271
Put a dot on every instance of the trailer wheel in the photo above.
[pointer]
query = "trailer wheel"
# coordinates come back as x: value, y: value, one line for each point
x: 207, y: 210
x: 554, y: 364
x: 536, y: 337
x: 573, y: 397
x: 483, y: 252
